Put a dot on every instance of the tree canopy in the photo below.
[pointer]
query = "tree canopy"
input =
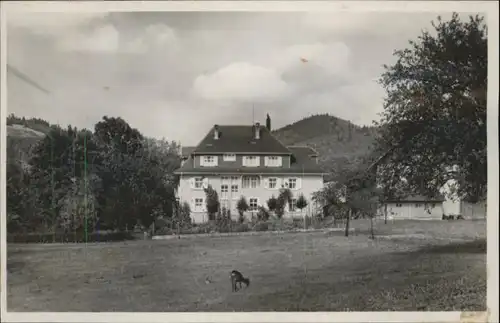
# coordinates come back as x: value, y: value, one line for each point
x: 112, y: 177
x: 433, y: 128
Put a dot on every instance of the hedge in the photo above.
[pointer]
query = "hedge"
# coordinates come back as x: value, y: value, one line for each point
x: 71, y: 237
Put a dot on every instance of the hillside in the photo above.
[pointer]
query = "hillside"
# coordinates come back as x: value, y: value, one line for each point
x: 22, y: 135
x: 339, y: 143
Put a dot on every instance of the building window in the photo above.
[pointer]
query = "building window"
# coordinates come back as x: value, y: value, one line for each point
x: 253, y: 204
x: 198, y: 183
x: 399, y: 205
x: 229, y: 157
x: 234, y: 188
x: 292, y: 183
x: 224, y: 189
x: 251, y: 161
x: 293, y: 205
x: 198, y: 204
x: 224, y: 180
x: 273, y: 183
x: 251, y: 181
x: 418, y: 205
x: 273, y: 161
x: 209, y: 161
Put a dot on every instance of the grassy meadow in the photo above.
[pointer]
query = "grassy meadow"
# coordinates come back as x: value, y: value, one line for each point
x: 410, y: 265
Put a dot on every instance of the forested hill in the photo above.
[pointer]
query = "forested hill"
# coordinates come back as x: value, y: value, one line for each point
x: 340, y: 143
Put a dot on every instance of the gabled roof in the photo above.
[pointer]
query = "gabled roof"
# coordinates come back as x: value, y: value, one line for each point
x: 297, y: 168
x: 302, y: 163
x: 303, y: 150
x: 187, y: 151
x: 240, y: 139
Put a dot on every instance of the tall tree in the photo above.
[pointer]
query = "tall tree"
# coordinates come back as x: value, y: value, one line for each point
x: 242, y: 206
x: 433, y: 128
x: 285, y: 198
x: 212, y: 202
x: 355, y: 194
x: 57, y: 164
x: 117, y: 135
x: 17, y: 189
x: 135, y: 175
x: 301, y: 202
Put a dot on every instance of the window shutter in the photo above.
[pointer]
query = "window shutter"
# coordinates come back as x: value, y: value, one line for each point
x: 285, y: 183
x: 191, y: 182
x: 193, y: 204
x: 278, y: 183
x: 280, y: 161
x: 205, y: 182
x: 266, y: 161
x: 258, y: 161
x: 266, y: 183
x: 216, y: 160
x: 299, y: 183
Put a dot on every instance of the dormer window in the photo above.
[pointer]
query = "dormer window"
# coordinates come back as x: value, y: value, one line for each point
x: 208, y: 161
x: 229, y: 157
x: 251, y: 161
x: 273, y: 161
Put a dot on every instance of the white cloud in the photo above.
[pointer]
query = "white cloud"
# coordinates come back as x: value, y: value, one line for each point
x: 369, y: 23
x: 102, y: 39
x: 160, y: 34
x: 51, y: 23
x: 332, y: 58
x: 383, y: 24
x: 106, y: 39
x: 189, y: 67
x: 154, y: 37
x: 241, y: 82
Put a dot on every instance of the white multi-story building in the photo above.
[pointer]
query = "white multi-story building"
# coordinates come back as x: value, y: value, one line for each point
x: 246, y: 161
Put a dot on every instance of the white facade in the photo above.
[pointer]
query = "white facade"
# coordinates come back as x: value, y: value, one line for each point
x: 412, y: 210
x: 473, y: 210
x: 255, y: 188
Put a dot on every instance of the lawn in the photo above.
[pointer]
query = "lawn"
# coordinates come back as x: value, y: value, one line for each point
x: 411, y: 265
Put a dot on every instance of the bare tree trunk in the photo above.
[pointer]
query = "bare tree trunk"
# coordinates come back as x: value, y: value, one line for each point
x: 372, y: 233
x: 385, y: 213
x: 347, y: 223
x: 178, y: 215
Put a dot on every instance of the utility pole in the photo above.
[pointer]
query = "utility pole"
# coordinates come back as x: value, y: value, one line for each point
x: 178, y: 214
x: 349, y: 213
x: 53, y: 204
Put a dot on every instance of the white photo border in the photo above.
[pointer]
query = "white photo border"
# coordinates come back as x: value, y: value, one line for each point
x: 490, y: 10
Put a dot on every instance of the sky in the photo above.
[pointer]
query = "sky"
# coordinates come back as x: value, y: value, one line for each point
x: 174, y: 75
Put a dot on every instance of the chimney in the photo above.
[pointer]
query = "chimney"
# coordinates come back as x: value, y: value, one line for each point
x: 268, y: 122
x: 257, y: 130
x: 216, y: 132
